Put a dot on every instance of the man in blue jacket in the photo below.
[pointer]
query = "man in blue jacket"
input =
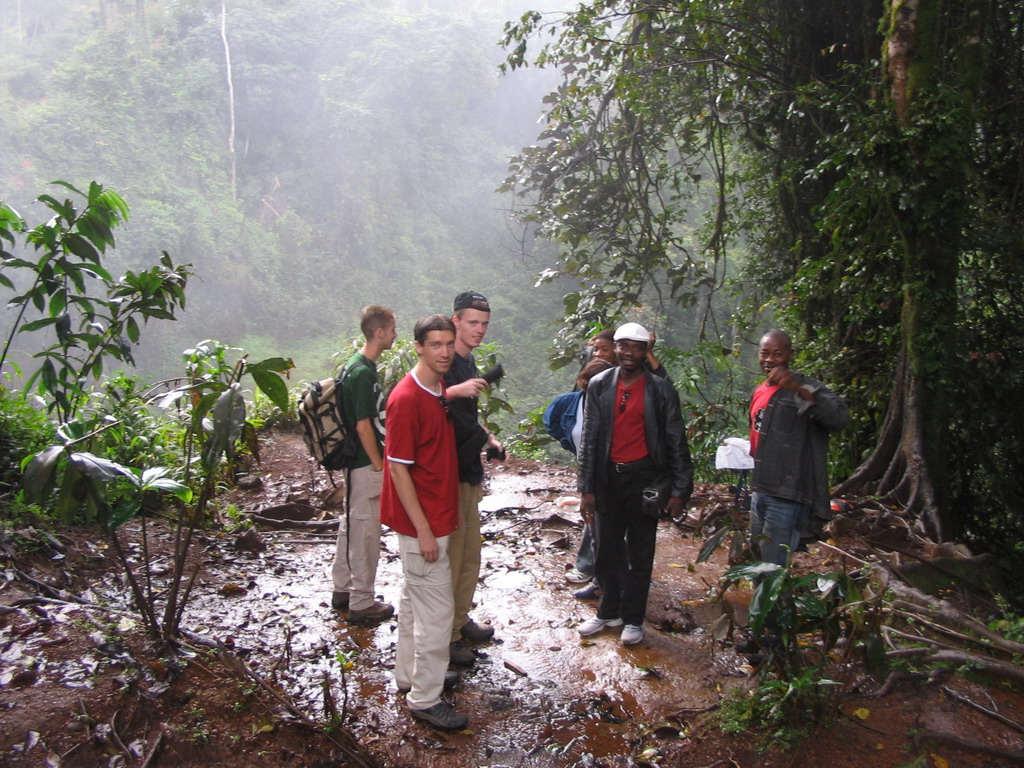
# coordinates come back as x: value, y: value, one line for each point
x: 633, y: 442
x: 791, y: 417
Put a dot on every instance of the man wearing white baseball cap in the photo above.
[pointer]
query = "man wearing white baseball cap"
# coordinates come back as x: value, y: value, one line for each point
x: 634, y: 467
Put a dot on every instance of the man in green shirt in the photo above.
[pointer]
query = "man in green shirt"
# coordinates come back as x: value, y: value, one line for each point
x: 355, y: 560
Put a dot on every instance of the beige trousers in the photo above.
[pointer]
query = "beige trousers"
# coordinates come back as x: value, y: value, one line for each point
x: 358, y: 547
x: 464, y: 552
x: 424, y: 615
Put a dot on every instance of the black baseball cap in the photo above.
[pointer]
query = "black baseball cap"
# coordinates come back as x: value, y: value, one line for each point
x: 471, y: 300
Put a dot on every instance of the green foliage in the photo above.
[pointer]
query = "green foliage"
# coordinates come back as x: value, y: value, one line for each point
x: 393, y: 363
x: 786, y: 606
x: 24, y: 430
x: 776, y: 712
x: 209, y: 417
x: 127, y: 428
x: 493, y: 400
x: 866, y: 215
x: 92, y: 316
x: 531, y: 440
x: 798, y: 621
x: 109, y: 461
x: 1010, y: 624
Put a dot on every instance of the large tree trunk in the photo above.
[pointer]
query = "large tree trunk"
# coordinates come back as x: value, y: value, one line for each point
x: 934, y: 112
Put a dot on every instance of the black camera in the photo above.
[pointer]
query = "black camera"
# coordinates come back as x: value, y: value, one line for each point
x: 494, y: 375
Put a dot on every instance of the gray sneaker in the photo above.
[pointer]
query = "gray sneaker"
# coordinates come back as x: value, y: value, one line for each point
x: 595, y: 625
x: 442, y: 716
x: 632, y: 634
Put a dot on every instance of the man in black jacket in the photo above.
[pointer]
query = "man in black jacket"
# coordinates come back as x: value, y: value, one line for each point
x: 633, y: 446
x: 791, y: 417
x: 472, y: 318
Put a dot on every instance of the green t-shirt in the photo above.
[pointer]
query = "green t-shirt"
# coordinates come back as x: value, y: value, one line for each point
x: 361, y: 397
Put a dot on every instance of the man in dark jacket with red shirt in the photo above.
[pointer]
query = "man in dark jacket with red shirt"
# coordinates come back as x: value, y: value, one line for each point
x: 633, y: 440
x: 791, y: 417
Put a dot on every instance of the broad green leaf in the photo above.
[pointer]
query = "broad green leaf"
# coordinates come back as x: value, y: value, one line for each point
x: 273, y: 386
x: 712, y: 544
x: 766, y: 598
x: 35, y: 325
x: 122, y: 513
x: 275, y: 364
x: 99, y: 468
x: 82, y: 248
x: 39, y: 475
x: 751, y: 571
x: 172, y: 397
x: 227, y: 419
x: 156, y: 478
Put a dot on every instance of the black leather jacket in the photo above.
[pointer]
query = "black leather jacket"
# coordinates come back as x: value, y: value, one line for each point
x: 792, y: 451
x: 664, y: 430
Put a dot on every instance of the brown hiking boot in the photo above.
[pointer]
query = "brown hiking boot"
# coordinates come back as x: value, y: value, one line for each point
x: 376, y: 612
x: 339, y: 601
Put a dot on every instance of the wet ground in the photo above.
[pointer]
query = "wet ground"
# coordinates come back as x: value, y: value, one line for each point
x: 539, y: 694
x: 82, y: 686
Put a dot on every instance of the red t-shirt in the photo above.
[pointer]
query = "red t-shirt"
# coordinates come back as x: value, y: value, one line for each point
x: 629, y: 441
x: 758, y: 404
x: 420, y: 435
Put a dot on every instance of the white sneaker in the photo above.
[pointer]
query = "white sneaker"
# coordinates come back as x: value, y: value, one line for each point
x: 631, y: 634
x: 595, y: 625
x: 577, y: 577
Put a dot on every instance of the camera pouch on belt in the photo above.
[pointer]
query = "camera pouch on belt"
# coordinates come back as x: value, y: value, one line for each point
x: 656, y: 496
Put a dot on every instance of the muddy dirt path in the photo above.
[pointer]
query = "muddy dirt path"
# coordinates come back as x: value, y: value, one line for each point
x: 539, y: 694
x: 81, y: 686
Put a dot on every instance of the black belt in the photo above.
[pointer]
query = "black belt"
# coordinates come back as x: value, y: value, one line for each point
x: 633, y: 466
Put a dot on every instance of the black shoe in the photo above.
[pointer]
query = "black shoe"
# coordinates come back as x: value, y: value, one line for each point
x: 451, y: 679
x: 477, y: 633
x: 589, y: 592
x: 339, y: 601
x: 442, y: 716
x: 461, y: 655
x: 746, y: 647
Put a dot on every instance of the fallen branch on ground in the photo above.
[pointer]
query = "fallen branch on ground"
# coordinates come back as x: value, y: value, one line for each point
x: 921, y: 737
x: 977, y: 707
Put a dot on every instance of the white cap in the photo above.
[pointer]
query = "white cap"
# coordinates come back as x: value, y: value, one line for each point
x: 633, y: 332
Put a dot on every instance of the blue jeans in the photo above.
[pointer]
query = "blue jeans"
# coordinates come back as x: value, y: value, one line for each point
x: 775, y: 526
x: 585, y: 558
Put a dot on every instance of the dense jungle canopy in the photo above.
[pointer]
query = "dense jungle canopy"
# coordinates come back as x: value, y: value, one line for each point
x: 867, y: 161
x: 306, y: 158
x: 851, y: 172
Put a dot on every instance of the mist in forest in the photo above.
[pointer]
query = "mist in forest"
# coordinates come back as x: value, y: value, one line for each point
x: 306, y: 158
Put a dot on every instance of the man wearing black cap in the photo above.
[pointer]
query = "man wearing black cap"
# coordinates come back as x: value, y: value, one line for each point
x: 472, y: 318
x: 634, y: 463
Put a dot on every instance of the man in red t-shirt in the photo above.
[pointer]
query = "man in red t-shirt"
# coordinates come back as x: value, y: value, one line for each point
x: 420, y: 502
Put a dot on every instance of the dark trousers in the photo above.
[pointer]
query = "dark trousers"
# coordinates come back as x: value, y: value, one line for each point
x: 625, y: 540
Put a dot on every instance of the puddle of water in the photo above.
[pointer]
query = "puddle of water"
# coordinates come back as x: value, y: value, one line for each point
x: 539, y: 694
